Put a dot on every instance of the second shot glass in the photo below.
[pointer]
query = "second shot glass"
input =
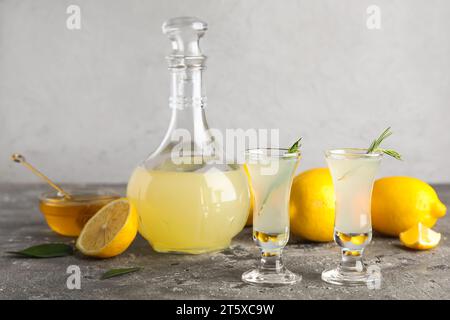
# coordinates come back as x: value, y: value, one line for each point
x: 353, y: 172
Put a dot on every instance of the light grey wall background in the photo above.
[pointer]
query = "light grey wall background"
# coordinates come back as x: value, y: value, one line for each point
x: 88, y: 105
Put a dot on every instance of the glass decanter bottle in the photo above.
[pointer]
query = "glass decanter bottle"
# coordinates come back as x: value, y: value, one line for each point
x: 188, y: 199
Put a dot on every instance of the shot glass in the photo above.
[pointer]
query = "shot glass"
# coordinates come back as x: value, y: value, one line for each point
x: 271, y: 172
x: 353, y: 172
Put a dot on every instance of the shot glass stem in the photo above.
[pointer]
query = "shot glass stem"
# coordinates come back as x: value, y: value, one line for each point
x: 351, y: 260
x: 272, y: 260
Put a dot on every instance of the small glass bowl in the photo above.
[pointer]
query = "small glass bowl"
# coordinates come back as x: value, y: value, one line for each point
x: 67, y: 217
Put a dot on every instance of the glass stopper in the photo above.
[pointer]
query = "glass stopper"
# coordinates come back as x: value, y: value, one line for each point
x: 184, y: 34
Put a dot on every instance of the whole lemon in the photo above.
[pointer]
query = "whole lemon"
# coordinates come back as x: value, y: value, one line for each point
x: 312, y: 205
x: 399, y: 203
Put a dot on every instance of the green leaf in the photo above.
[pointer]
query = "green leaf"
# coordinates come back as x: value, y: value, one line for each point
x: 48, y: 250
x: 295, y: 147
x: 119, y: 272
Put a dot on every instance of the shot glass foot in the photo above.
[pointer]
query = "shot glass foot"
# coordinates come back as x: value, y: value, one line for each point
x: 352, y: 278
x: 270, y: 278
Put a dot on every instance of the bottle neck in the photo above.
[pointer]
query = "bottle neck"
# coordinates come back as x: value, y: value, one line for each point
x: 187, y: 101
x: 186, y: 89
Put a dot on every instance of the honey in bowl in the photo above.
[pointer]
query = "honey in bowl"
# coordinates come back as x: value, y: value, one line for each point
x: 67, y: 216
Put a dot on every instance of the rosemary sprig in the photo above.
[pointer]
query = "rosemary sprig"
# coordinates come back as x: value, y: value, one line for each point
x: 375, y: 145
x: 296, y: 146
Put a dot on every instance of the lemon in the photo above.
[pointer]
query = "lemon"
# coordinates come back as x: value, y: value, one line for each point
x: 420, y: 237
x: 312, y: 205
x: 250, y: 214
x: 252, y: 198
x: 400, y: 203
x: 110, y: 231
x: 359, y: 240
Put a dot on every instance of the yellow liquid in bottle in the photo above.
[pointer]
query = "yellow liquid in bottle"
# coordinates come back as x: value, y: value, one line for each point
x: 189, y: 212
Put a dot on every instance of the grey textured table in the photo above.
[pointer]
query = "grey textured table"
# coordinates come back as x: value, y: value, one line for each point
x: 406, y: 274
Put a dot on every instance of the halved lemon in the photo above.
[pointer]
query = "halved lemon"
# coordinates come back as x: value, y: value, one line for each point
x: 420, y: 237
x: 110, y: 231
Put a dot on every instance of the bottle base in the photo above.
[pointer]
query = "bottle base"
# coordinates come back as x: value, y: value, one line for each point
x: 209, y: 249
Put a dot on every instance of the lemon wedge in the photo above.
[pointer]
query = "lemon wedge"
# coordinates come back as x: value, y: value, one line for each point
x: 110, y: 231
x: 420, y: 237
